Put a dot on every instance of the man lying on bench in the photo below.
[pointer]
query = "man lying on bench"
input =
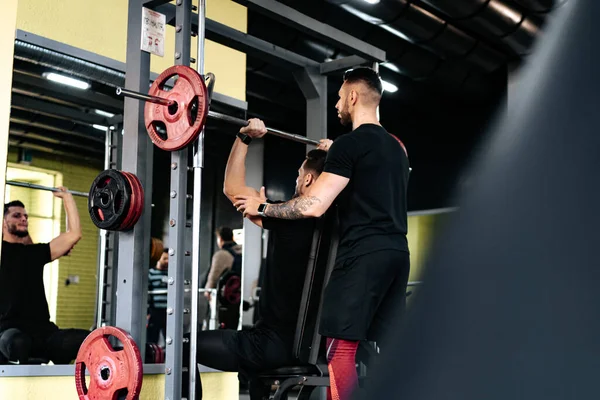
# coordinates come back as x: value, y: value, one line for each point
x: 269, y: 343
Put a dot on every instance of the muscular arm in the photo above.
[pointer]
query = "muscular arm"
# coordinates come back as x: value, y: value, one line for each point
x: 235, y: 176
x: 314, y: 204
x: 235, y: 172
x: 64, y: 242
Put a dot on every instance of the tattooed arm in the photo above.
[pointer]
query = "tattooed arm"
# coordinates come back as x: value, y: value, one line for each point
x: 313, y: 204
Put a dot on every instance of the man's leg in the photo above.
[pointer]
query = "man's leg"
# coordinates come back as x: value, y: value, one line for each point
x: 396, y: 265
x: 341, y: 355
x: 63, y: 345
x: 214, y: 350
x: 15, y: 345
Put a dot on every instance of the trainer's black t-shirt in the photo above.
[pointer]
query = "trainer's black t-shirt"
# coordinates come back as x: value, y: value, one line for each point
x: 372, y: 208
x: 287, y: 259
x: 23, y: 302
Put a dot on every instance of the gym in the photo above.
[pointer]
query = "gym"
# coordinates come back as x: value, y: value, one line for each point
x: 134, y: 151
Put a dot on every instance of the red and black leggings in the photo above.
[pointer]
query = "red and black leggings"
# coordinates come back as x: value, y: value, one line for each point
x: 341, y: 362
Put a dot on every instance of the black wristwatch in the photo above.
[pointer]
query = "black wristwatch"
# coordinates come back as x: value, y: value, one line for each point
x: 261, y: 209
x: 244, y: 138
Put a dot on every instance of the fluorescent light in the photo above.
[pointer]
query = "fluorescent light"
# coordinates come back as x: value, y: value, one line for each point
x: 391, y: 67
x: 396, y: 32
x: 389, y: 87
x: 104, y: 113
x: 100, y: 127
x: 66, y: 80
x: 372, y: 1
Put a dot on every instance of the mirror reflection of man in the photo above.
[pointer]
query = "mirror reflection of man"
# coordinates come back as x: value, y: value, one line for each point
x: 26, y: 331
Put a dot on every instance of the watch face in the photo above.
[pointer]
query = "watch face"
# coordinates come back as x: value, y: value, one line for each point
x: 261, y: 208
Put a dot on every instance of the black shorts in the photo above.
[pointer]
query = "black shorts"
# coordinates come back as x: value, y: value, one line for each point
x: 364, y: 294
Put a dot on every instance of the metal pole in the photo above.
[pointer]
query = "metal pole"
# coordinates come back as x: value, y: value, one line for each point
x: 196, y: 213
x: 137, y: 156
x: 40, y: 187
x: 275, y: 132
x: 144, y: 97
x: 177, y: 223
x: 222, y: 117
x: 102, y: 244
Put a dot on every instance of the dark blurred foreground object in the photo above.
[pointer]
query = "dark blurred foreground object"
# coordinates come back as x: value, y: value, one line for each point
x: 511, y: 308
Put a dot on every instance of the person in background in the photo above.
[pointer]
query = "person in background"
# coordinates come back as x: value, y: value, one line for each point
x: 157, y: 302
x: 227, y: 258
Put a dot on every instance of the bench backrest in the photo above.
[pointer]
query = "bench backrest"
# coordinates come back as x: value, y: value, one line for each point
x: 307, y: 341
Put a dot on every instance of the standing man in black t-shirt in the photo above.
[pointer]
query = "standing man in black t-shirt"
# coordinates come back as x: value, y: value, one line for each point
x: 269, y: 343
x: 367, y: 171
x: 25, y: 327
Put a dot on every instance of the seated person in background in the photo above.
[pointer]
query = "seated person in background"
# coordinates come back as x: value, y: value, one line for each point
x: 269, y: 343
x: 157, y: 303
x: 227, y: 258
x: 25, y: 328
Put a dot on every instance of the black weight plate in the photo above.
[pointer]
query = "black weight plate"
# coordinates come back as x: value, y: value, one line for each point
x: 109, y: 199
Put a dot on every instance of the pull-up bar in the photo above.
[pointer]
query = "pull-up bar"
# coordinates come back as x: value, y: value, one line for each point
x: 40, y: 187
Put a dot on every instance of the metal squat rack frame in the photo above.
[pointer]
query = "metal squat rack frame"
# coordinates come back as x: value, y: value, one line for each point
x: 137, y: 159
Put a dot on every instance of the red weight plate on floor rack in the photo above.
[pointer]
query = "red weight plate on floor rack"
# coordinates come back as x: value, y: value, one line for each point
x: 113, y: 372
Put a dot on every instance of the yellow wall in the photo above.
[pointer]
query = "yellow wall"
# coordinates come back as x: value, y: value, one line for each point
x: 7, y: 37
x: 216, y: 386
x: 101, y: 27
x: 75, y: 303
x: 421, y: 232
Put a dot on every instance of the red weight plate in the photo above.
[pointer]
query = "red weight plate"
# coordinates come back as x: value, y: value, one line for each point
x: 401, y: 144
x: 231, y: 292
x: 182, y: 121
x: 127, y: 221
x: 156, y: 354
x: 131, y: 211
x: 161, y: 353
x: 139, y: 200
x: 112, y: 371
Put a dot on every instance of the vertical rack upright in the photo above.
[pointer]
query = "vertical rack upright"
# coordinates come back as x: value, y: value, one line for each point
x: 177, y: 223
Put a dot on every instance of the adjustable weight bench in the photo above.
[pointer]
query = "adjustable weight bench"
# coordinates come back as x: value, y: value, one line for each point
x: 309, y: 350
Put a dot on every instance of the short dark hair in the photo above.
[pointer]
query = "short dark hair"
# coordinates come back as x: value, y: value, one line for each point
x: 14, y: 203
x: 366, y: 75
x: 225, y: 233
x: 315, y: 160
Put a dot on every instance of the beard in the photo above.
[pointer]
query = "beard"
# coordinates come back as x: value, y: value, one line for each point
x: 345, y: 117
x: 14, y: 231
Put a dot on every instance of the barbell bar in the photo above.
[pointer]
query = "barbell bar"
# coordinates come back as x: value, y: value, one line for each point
x: 217, y: 116
x: 40, y: 187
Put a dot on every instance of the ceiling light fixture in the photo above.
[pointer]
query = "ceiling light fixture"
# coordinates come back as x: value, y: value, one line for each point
x: 66, y: 80
x: 104, y: 113
x: 372, y: 1
x: 100, y: 127
x: 389, y: 87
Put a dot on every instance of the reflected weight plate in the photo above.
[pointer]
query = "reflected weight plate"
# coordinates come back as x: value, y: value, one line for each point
x: 136, y: 203
x: 109, y: 199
